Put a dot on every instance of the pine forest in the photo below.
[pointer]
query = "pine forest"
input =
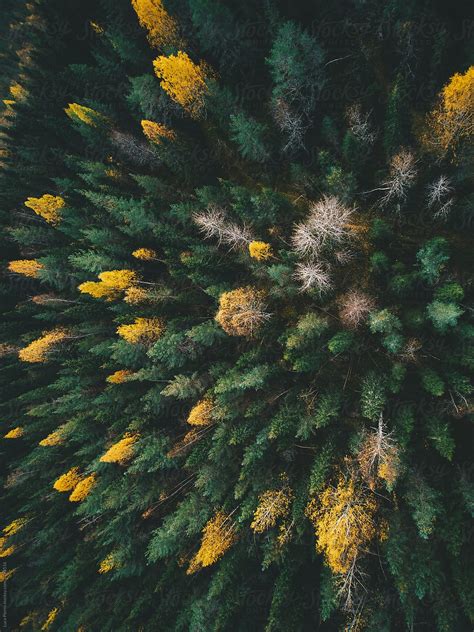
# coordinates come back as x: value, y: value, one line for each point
x: 236, y: 331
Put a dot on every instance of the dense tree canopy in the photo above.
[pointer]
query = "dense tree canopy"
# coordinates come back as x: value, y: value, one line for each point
x: 236, y: 342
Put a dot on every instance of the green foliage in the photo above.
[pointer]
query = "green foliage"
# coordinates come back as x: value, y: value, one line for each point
x: 352, y: 389
x: 296, y: 61
x: 341, y: 342
x: 373, y: 396
x: 443, y: 315
x: 249, y: 135
x: 433, y: 258
x: 432, y: 382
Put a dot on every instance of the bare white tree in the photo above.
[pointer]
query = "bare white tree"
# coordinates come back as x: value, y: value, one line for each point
x: 136, y: 151
x: 378, y: 448
x: 351, y: 589
x: 327, y: 224
x: 401, y: 178
x: 213, y: 223
x: 359, y: 124
x: 293, y: 124
x: 439, y: 198
x: 355, y: 307
x: 313, y: 275
x: 343, y: 256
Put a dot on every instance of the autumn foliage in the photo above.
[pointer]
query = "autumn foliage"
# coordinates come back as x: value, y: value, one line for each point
x: 452, y: 120
x: 26, y: 267
x: 217, y: 537
x: 162, y: 28
x: 39, y: 349
x: 343, y: 520
x: 183, y: 80
x: 121, y: 451
x: 47, y: 206
x: 242, y: 311
x: 142, y: 330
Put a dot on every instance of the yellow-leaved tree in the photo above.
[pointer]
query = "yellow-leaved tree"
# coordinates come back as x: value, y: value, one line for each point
x: 38, y: 350
x: 273, y: 506
x: 142, y: 330
x: 26, y: 267
x: 145, y: 254
x: 343, y: 520
x: 6, y: 549
x: 260, y: 250
x: 242, y: 311
x: 52, y: 615
x: 54, y: 438
x: 452, y: 120
x: 183, y: 80
x: 15, y: 433
x: 156, y: 132
x: 119, y: 376
x: 162, y: 28
x: 201, y: 413
x: 47, y: 206
x: 108, y: 563
x: 110, y: 285
x: 121, y: 451
x: 217, y: 536
x: 66, y: 482
x: 82, y: 113
x: 15, y: 526
x: 83, y: 487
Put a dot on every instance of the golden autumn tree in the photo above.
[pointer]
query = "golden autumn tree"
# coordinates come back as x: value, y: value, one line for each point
x: 54, y: 438
x: 201, y: 413
x: 26, y: 267
x: 183, y: 80
x: 162, y: 28
x: 82, y: 113
x: 242, y: 311
x: 452, y: 120
x: 15, y: 433
x: 47, y: 206
x: 260, y: 250
x: 157, y: 132
x: 145, y: 254
x: 118, y: 279
x: 52, y: 615
x: 217, y: 537
x: 6, y: 549
x: 38, y: 350
x: 135, y: 295
x: 110, y: 285
x: 273, y: 505
x: 96, y: 289
x: 119, y: 376
x: 343, y: 520
x: 109, y: 563
x: 83, y: 488
x: 5, y: 575
x: 122, y: 451
x: 18, y: 92
x: 66, y: 482
x: 15, y: 526
x: 142, y: 330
